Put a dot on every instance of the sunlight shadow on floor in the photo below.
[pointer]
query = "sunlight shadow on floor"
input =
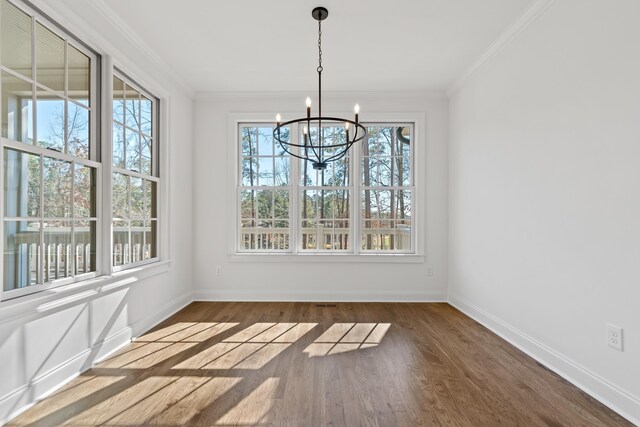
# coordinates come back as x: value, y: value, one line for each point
x: 346, y: 337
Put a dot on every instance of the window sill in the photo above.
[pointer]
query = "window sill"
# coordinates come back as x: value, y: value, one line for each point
x: 332, y: 258
x: 52, y: 300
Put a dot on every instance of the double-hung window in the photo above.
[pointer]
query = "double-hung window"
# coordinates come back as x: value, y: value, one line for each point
x: 135, y: 174
x: 55, y: 177
x: 264, y: 191
x: 360, y: 204
x: 50, y: 154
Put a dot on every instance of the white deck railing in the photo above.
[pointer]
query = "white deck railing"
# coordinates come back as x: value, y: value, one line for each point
x: 262, y: 238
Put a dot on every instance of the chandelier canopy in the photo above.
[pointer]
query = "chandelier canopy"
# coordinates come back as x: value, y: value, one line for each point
x: 316, y: 148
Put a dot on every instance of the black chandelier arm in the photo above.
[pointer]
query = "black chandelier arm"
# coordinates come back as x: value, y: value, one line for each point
x: 284, y: 146
x: 292, y: 154
x: 322, y: 147
x: 343, y: 153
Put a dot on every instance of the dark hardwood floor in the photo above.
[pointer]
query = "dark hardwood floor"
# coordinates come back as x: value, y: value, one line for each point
x: 300, y: 364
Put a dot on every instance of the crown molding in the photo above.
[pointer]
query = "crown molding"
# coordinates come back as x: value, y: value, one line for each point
x: 77, y: 25
x: 511, y: 33
x: 429, y: 94
x: 112, y: 17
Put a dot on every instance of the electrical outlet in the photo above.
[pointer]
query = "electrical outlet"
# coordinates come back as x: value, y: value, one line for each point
x: 218, y: 270
x: 429, y: 270
x: 614, y: 336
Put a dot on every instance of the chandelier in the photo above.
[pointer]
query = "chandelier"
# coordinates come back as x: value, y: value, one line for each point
x: 317, y: 149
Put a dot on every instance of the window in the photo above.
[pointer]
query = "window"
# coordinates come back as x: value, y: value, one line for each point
x: 55, y: 181
x: 360, y: 204
x: 386, y: 183
x: 264, y: 190
x: 49, y: 154
x: 135, y: 174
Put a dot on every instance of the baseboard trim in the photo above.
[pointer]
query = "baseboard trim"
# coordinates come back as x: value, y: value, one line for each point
x: 319, y: 296
x: 620, y: 401
x: 19, y: 400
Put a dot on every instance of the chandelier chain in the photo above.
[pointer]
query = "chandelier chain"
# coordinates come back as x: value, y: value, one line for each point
x: 320, y: 47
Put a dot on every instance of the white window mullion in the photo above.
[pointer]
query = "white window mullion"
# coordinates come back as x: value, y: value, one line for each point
x: 295, y: 221
x: 105, y: 202
x: 356, y: 202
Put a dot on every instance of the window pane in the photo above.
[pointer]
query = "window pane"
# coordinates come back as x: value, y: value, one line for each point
x: 79, y: 80
x: 149, y: 199
x: 57, y: 188
x: 386, y: 220
x: 341, y: 204
x: 50, y: 121
x: 17, y: 108
x: 145, y: 155
x: 249, y: 171
x: 21, y: 184
x: 15, y: 39
x: 265, y: 141
x: 121, y: 253
x: 78, y: 131
x: 378, y: 141
x: 85, y: 191
x: 402, y: 171
x: 137, y: 240
x: 146, y: 113
x: 281, y: 204
x: 137, y: 197
x: 249, y: 141
x: 132, y: 108
x: 282, y: 171
x: 118, y: 145
x: 403, y: 204
x: 265, y: 171
x: 325, y: 219
x: 118, y: 100
x: 308, y: 202
x: 49, y: 58
x: 21, y: 254
x: 265, y: 203
x: 376, y: 171
x: 85, y: 246
x: 133, y: 150
x: 120, y: 196
x: 58, y: 259
x: 248, y: 204
x: 150, y: 232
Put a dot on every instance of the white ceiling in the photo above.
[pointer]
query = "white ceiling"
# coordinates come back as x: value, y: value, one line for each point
x: 368, y: 45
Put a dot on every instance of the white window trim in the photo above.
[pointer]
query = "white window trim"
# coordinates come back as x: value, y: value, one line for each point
x: 155, y: 164
x: 109, y: 56
x: 34, y: 149
x: 419, y: 162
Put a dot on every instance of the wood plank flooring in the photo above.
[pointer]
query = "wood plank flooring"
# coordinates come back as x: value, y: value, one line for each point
x: 300, y: 364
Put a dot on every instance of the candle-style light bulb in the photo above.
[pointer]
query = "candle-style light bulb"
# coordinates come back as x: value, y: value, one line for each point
x: 305, y: 130
x: 278, y: 118
x: 356, y: 109
x: 308, y: 102
x: 346, y: 125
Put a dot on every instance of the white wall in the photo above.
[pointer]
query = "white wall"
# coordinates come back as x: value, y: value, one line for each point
x: 308, y: 280
x: 545, y: 194
x: 47, y: 338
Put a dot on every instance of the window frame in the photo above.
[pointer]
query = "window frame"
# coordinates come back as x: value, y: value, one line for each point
x: 105, y: 57
x: 155, y: 176
x: 240, y: 188
x: 93, y: 161
x: 355, y: 254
